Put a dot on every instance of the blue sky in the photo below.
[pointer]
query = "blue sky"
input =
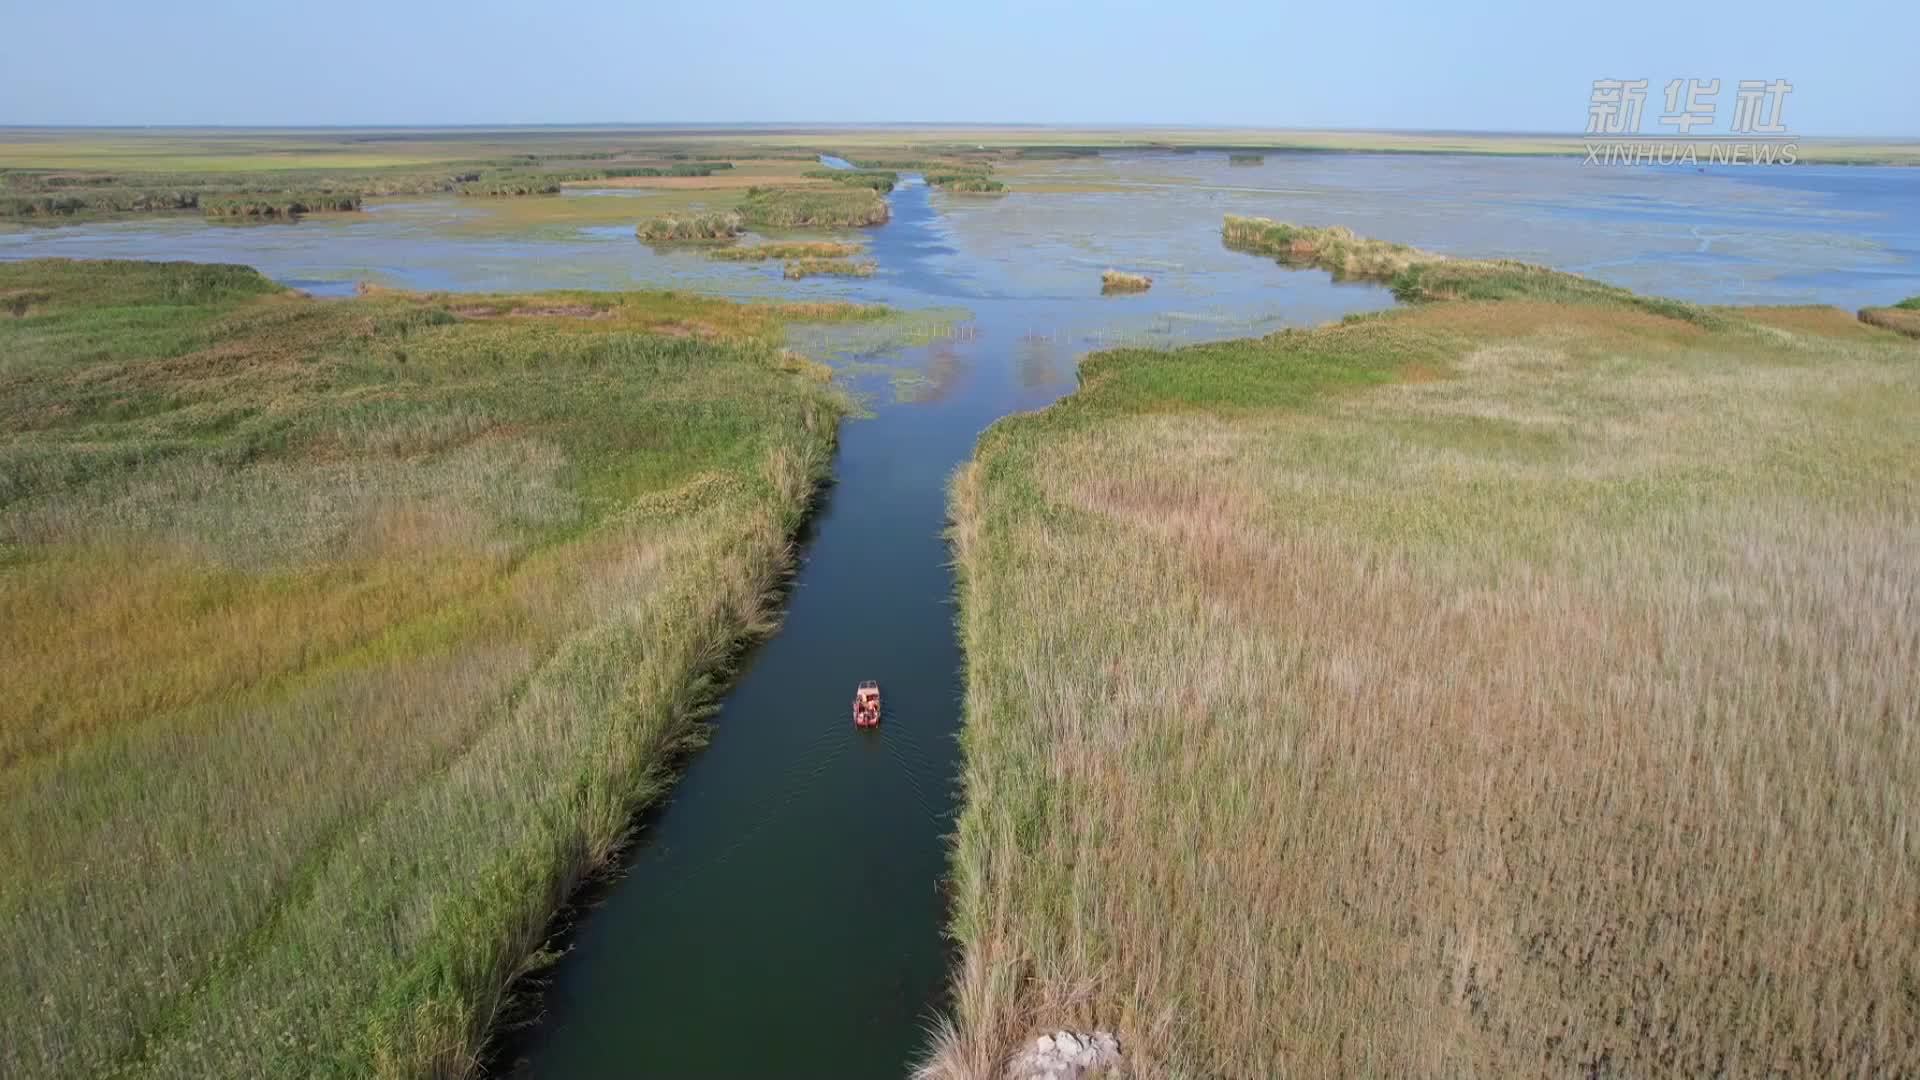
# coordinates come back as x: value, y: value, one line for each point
x: 1469, y: 64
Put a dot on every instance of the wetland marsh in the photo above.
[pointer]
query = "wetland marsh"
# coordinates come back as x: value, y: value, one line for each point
x: 794, y: 879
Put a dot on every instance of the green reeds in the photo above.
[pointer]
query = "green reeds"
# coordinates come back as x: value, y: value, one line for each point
x: 813, y: 208
x: 809, y: 249
x: 1522, y: 684
x: 965, y: 182
x: 284, y: 205
x: 69, y: 203
x: 1335, y: 249
x: 692, y: 168
x: 511, y: 188
x: 691, y: 228
x: 800, y: 268
x: 880, y: 180
x: 341, y: 639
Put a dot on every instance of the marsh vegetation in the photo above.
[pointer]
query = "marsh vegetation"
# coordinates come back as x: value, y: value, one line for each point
x: 880, y: 180
x: 298, y: 592
x: 279, y: 206
x: 1120, y: 281
x: 1903, y: 316
x: 691, y: 228
x: 969, y: 182
x: 788, y: 249
x: 802, y: 268
x: 342, y: 638
x: 1521, y: 680
x: 1335, y: 249
x: 72, y: 192
x: 813, y: 208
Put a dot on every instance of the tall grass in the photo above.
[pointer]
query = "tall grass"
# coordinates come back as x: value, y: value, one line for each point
x: 342, y: 638
x: 801, y: 268
x: 1490, y: 687
x: 1423, y: 276
x: 511, y: 187
x: 1336, y: 250
x: 683, y: 168
x: 30, y: 194
x: 813, y: 208
x: 688, y: 228
x: 1903, y: 317
x: 281, y: 205
x: 795, y: 249
x: 60, y: 195
x: 880, y: 180
x: 64, y: 202
x: 965, y: 182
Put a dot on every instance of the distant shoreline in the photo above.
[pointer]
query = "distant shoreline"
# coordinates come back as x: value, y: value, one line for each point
x: 30, y: 147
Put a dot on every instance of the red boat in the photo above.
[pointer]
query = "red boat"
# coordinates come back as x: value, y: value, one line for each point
x: 866, y: 705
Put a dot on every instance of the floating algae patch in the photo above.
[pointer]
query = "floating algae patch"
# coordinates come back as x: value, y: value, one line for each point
x: 910, y: 385
x: 935, y: 376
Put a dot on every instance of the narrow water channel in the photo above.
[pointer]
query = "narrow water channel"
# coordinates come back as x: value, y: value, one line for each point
x: 782, y: 911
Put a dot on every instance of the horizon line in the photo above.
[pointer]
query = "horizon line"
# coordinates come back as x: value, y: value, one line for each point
x: 830, y: 125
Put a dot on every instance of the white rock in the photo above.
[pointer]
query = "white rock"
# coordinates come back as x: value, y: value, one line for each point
x: 1065, y: 1055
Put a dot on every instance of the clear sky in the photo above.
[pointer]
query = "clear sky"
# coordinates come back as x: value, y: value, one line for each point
x: 1466, y: 64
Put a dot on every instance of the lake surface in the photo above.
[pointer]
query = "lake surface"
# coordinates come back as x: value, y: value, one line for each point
x: 780, y: 913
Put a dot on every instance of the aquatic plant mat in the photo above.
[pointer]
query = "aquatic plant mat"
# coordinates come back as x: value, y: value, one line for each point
x: 1521, y: 682
x: 341, y: 638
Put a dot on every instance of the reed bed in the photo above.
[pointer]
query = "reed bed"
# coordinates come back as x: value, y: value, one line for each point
x: 880, y: 180
x: 342, y: 638
x: 1903, y: 317
x: 977, y: 183
x: 682, y: 168
x: 1488, y: 687
x: 64, y: 203
x: 1336, y: 250
x: 914, y: 164
x: 30, y: 194
x: 1120, y: 281
x: 285, y: 205
x: 795, y: 249
x: 691, y: 228
x: 803, y: 268
x: 813, y: 208
x: 509, y: 188
x: 26, y: 195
